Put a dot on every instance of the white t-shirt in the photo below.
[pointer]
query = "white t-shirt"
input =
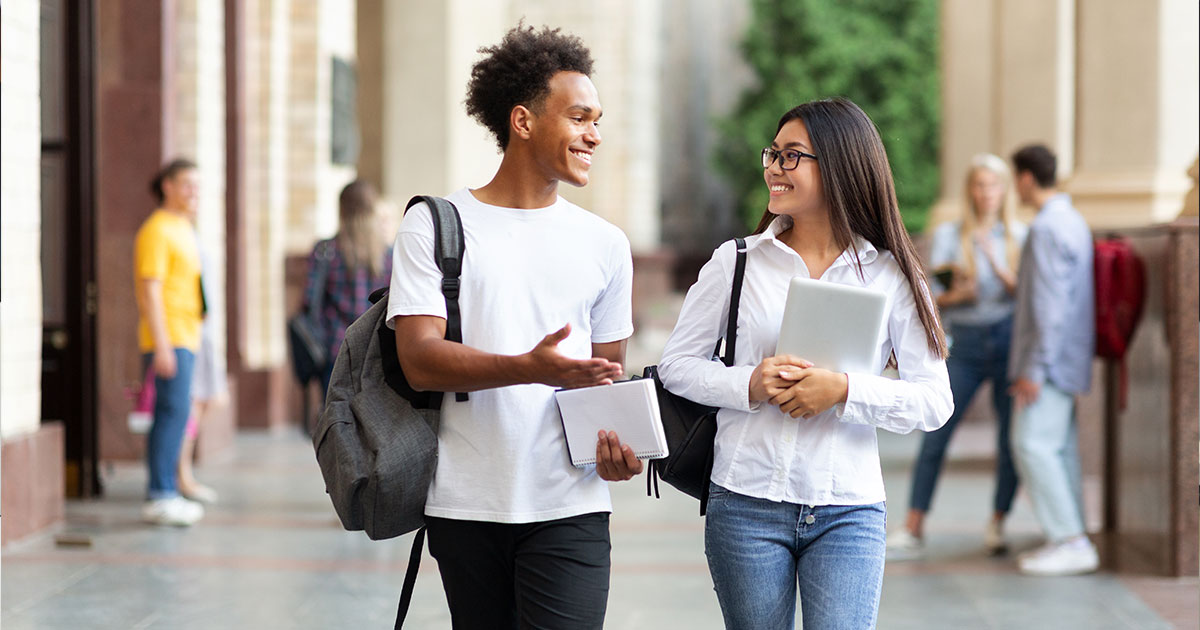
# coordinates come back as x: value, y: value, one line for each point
x: 502, y: 455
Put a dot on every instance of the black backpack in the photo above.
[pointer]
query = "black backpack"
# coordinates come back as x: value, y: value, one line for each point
x: 306, y: 338
x: 376, y: 439
x: 691, y: 428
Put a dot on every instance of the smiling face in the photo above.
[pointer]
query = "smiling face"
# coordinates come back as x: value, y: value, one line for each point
x: 564, y: 132
x: 799, y: 191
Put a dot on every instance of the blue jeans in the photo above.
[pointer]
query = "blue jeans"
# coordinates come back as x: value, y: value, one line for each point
x: 1045, y: 442
x: 759, y: 551
x: 979, y: 353
x: 172, y: 406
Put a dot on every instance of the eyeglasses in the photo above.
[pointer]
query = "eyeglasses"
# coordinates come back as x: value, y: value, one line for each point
x: 790, y: 158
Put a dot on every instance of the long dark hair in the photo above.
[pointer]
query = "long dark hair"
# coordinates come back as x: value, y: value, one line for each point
x: 861, y: 195
x: 169, y: 171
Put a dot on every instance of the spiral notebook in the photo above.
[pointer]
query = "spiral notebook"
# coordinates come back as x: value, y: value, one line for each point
x: 630, y: 408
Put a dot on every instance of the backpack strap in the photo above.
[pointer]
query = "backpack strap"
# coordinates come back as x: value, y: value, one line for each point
x: 735, y: 298
x: 448, y: 247
x: 410, y: 577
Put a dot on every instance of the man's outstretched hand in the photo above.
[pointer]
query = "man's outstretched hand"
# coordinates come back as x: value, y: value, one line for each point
x: 615, y: 461
x: 547, y: 365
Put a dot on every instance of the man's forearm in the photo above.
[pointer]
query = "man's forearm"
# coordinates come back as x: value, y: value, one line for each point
x: 447, y: 366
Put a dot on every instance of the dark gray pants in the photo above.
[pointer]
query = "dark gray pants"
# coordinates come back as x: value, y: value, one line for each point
x: 551, y: 574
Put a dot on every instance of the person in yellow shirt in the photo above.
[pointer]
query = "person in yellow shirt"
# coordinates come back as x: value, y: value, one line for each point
x: 166, y: 269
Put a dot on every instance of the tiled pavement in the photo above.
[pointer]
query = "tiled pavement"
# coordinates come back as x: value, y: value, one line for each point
x: 271, y: 555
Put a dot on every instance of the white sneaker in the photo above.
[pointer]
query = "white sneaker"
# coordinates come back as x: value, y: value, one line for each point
x: 993, y: 539
x: 1071, y: 557
x: 200, y: 493
x: 176, y: 511
x: 902, y: 545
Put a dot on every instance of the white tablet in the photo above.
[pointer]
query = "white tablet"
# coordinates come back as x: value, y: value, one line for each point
x: 835, y: 326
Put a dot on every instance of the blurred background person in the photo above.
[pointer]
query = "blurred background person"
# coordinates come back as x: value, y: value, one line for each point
x: 344, y: 270
x: 170, y: 300
x: 975, y: 262
x: 209, y: 387
x: 1054, y: 341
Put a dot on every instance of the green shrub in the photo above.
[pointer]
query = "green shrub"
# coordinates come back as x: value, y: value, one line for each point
x: 882, y: 54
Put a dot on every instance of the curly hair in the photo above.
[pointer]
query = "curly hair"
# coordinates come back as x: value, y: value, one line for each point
x: 517, y: 71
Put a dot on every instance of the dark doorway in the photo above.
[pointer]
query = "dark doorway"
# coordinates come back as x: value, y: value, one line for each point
x: 68, y: 208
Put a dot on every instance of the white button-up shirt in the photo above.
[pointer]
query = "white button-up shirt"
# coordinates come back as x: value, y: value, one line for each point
x: 828, y: 459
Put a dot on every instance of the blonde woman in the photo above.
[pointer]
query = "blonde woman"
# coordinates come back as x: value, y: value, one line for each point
x: 975, y: 269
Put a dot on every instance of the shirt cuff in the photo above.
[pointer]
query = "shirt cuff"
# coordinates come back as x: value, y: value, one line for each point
x: 867, y: 397
x: 740, y: 379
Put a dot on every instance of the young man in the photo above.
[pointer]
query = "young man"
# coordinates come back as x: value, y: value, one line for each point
x: 166, y: 271
x: 1050, y: 362
x: 519, y: 534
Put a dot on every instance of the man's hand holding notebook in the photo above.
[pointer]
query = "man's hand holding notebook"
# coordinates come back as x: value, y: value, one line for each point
x: 628, y: 409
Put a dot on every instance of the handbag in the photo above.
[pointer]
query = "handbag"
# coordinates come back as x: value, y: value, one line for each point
x: 142, y: 417
x: 691, y: 427
x: 310, y: 355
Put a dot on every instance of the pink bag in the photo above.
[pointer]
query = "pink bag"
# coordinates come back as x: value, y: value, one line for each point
x: 142, y: 415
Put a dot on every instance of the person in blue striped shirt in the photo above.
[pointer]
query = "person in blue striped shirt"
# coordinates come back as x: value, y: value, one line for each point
x: 1050, y: 363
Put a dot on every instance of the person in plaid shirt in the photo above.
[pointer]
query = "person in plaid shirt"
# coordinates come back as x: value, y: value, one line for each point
x: 357, y: 261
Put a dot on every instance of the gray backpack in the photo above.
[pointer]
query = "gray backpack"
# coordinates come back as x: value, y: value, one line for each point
x: 376, y: 439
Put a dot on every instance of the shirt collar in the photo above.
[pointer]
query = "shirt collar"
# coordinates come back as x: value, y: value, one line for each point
x: 1059, y: 200
x: 866, y: 251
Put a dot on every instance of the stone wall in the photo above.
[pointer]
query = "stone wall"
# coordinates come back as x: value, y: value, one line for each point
x: 1152, y: 469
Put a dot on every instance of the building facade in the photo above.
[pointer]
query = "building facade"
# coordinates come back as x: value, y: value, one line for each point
x: 282, y: 102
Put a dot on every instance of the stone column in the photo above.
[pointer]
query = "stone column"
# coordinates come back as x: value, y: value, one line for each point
x: 1139, y: 94
x: 261, y: 371
x: 319, y: 31
x: 968, y: 60
x: 197, y: 132
x: 1008, y: 74
x: 429, y: 146
x: 370, y: 50
x: 135, y: 97
x: 31, y: 452
x: 20, y: 192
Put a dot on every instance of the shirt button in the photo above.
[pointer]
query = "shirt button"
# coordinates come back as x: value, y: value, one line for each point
x: 787, y: 439
x: 810, y: 519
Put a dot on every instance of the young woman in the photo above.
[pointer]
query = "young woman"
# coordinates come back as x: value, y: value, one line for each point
x: 797, y: 493
x: 209, y: 388
x: 979, y: 255
x: 356, y: 261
